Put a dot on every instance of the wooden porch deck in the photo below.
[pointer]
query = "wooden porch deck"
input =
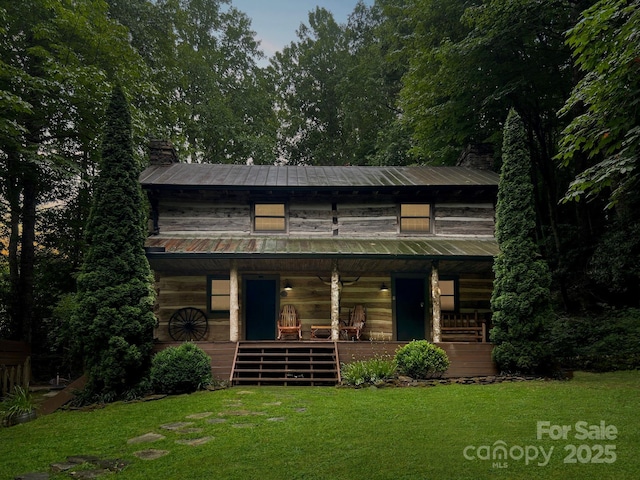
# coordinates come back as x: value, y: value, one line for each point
x: 468, y: 359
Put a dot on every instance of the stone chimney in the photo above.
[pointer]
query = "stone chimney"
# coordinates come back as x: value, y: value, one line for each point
x: 477, y: 155
x: 162, y: 152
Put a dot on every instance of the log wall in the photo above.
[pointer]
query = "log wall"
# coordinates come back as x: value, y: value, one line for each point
x: 319, y: 217
x: 311, y: 296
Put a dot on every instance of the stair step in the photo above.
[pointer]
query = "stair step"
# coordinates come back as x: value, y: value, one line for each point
x: 291, y: 363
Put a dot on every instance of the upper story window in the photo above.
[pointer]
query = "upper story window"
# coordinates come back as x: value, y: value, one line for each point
x: 269, y: 217
x: 415, y: 218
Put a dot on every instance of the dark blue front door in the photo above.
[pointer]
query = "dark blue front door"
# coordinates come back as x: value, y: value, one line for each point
x: 410, y: 308
x: 261, y: 308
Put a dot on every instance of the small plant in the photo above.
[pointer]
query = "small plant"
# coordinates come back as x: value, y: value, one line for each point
x: 18, y: 406
x: 420, y: 359
x: 368, y: 372
x: 182, y: 369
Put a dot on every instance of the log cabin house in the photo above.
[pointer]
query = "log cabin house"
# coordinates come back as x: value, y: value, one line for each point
x: 230, y: 245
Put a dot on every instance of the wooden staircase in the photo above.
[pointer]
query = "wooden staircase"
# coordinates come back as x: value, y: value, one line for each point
x: 286, y: 363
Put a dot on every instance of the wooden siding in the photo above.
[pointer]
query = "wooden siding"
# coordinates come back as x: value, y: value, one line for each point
x: 312, y: 299
x: 221, y: 354
x: 311, y: 295
x: 464, y: 219
x: 376, y: 217
x: 310, y: 218
x: 203, y: 216
x: 367, y: 219
x: 467, y: 359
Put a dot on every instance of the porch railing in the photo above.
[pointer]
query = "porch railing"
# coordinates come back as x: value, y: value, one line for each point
x: 463, y: 327
x: 15, y: 366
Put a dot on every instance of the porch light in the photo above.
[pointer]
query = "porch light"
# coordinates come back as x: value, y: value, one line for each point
x: 384, y: 288
x: 287, y: 286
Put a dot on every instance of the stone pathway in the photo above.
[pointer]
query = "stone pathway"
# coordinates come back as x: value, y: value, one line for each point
x: 88, y: 467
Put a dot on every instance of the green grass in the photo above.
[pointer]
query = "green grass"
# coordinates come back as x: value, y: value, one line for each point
x: 341, y: 433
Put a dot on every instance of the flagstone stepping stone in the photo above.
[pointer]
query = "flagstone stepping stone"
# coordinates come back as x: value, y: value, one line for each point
x: 272, y: 404
x: 33, y: 476
x: 189, y: 430
x: 198, y: 416
x: 216, y: 420
x: 276, y: 419
x: 194, y: 442
x: 151, y: 454
x: 79, y: 459
x: 62, y: 467
x: 243, y: 425
x: 89, y: 474
x: 146, y: 438
x: 176, y: 425
x: 245, y: 392
x: 301, y: 410
x: 239, y: 413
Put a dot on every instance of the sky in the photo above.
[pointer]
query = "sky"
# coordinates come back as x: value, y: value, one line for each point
x: 276, y: 21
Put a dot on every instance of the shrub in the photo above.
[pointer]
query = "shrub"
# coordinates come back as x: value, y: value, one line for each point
x: 180, y: 369
x: 521, y: 299
x: 420, y: 359
x: 368, y: 372
x: 606, y: 341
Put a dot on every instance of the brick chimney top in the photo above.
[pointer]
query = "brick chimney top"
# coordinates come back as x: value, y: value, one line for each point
x: 162, y: 152
x: 478, y: 155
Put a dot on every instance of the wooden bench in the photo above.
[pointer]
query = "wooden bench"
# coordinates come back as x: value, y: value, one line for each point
x: 463, y: 327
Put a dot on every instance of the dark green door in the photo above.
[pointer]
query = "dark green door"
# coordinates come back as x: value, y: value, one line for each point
x: 260, y: 308
x: 410, y: 305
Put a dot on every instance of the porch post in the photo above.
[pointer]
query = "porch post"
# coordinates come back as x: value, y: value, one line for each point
x: 234, y: 303
x: 335, y: 302
x: 435, y: 304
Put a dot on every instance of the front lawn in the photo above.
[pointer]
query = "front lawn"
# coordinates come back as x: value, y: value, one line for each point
x: 443, y: 432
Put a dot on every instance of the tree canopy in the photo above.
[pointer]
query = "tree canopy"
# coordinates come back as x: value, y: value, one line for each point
x: 401, y: 82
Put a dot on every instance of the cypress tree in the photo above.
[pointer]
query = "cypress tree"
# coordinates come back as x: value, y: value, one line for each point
x: 114, y: 321
x: 521, y: 295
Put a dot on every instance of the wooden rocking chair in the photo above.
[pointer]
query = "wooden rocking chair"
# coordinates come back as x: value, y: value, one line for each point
x: 289, y: 323
x: 357, y: 321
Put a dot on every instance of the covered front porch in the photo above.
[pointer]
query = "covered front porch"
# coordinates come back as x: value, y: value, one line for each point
x: 439, y: 290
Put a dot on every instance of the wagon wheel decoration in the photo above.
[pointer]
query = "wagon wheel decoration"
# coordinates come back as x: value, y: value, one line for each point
x: 188, y: 324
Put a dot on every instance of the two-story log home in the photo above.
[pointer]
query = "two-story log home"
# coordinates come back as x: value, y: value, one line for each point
x: 230, y: 245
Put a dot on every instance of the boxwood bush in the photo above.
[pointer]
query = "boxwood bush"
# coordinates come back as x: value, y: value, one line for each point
x: 421, y: 359
x: 181, y: 369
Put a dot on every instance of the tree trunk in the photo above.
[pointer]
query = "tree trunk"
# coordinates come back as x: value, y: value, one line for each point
x: 234, y: 314
x: 335, y: 302
x: 27, y: 254
x: 13, y: 197
x: 435, y: 304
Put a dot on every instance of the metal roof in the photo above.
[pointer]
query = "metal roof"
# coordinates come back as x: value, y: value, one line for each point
x: 280, y: 247
x: 268, y: 176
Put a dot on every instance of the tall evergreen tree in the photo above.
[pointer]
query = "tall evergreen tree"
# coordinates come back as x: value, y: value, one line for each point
x: 114, y: 320
x: 521, y: 297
